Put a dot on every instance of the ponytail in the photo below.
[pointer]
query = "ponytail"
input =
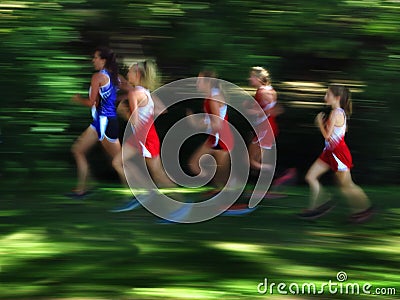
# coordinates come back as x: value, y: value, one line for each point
x: 111, y: 63
x: 215, y: 83
x: 261, y: 74
x: 345, y: 97
x: 148, y: 73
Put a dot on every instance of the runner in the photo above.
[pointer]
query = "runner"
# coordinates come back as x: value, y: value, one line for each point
x: 336, y: 156
x: 104, y: 128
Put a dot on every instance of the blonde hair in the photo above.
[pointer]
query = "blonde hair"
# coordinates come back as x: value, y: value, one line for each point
x: 148, y: 73
x: 262, y: 74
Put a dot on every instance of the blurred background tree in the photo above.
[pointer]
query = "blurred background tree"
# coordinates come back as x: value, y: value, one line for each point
x: 46, y: 48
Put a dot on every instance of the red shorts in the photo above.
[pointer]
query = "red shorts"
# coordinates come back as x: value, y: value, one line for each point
x: 148, y: 145
x: 266, y: 133
x: 338, y: 159
x: 224, y: 140
x: 220, y: 145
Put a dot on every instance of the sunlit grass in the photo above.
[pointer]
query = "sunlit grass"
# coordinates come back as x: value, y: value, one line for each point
x: 10, y: 213
x: 125, y: 191
x: 26, y: 245
x: 185, y: 191
x: 89, y: 253
x: 238, y: 247
x: 388, y: 247
x: 47, y: 129
x: 177, y: 293
x: 289, y: 270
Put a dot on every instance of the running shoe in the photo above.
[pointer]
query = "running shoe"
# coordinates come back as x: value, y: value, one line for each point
x: 134, y: 203
x: 311, y: 214
x: 238, y: 210
x: 130, y: 205
x: 75, y: 195
x: 177, y: 215
x: 288, y: 177
x: 266, y: 195
x: 362, y: 216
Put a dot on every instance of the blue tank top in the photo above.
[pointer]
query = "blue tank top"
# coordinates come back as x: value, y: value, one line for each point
x: 108, y: 95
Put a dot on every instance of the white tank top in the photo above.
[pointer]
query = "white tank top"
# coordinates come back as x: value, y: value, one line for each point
x: 264, y: 105
x: 222, y: 111
x: 337, y: 134
x: 146, y: 112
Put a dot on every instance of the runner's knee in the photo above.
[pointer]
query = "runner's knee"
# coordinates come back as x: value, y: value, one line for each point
x: 310, y: 178
x: 117, y: 162
x: 75, y: 149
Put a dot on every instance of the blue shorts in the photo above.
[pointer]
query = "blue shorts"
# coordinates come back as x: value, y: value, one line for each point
x: 107, y: 127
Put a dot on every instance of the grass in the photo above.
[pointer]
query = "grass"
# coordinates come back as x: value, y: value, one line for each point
x: 52, y: 247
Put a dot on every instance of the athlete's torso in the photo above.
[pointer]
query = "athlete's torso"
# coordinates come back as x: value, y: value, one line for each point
x: 108, y: 95
x: 264, y: 104
x: 146, y: 112
x: 223, y: 137
x: 223, y: 108
x: 338, y: 133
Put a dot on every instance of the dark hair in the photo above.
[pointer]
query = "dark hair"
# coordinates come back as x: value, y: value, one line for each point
x: 211, y: 75
x: 111, y: 63
x: 343, y: 92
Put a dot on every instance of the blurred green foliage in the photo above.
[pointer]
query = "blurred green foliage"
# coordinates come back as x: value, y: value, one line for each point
x: 46, y: 48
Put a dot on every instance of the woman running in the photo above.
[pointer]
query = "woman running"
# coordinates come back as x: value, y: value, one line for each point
x: 265, y: 125
x: 104, y: 128
x: 220, y: 140
x: 336, y: 156
x: 144, y: 140
x: 266, y: 128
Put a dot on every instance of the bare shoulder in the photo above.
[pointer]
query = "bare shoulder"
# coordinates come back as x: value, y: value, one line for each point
x: 135, y: 91
x: 99, y: 78
x: 337, y: 117
x: 269, y: 95
x: 139, y: 90
x: 138, y: 95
